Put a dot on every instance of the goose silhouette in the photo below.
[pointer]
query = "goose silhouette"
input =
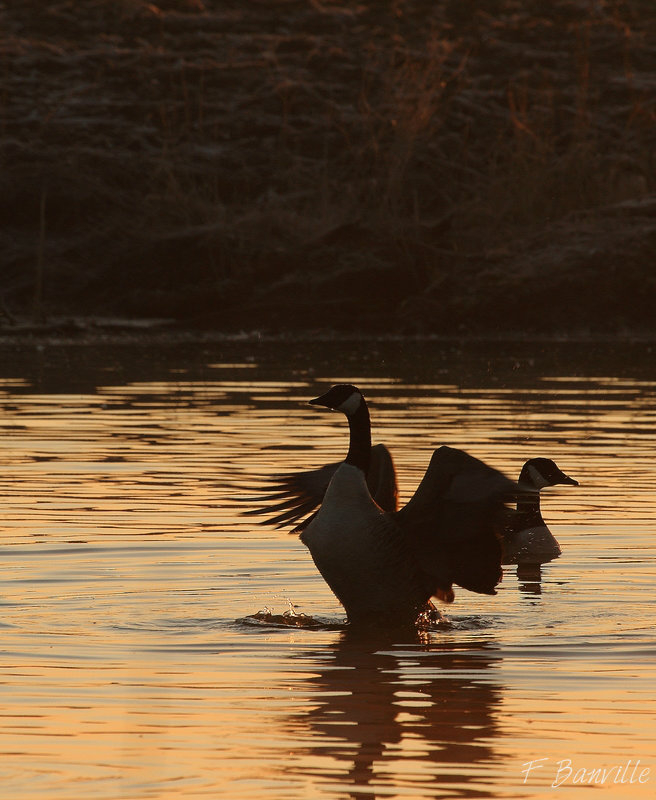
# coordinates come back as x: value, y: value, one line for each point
x: 385, y: 563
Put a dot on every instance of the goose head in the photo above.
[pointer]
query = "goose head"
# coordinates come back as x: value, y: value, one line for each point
x: 541, y: 472
x: 342, y: 397
x: 348, y: 399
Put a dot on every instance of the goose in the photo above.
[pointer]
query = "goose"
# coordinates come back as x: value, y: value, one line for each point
x: 385, y: 564
x: 527, y: 539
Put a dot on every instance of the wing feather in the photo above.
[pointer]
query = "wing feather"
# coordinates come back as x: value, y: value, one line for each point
x: 455, y: 518
x: 298, y: 494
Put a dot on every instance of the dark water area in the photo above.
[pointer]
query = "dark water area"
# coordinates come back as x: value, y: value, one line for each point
x: 156, y: 642
x: 59, y: 364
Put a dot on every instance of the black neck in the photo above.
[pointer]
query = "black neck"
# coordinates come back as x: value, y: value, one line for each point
x: 528, y: 504
x: 359, y: 453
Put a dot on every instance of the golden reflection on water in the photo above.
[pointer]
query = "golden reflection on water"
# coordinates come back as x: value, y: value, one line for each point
x: 128, y: 669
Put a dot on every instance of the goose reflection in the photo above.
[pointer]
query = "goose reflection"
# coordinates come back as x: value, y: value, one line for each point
x: 529, y: 578
x: 424, y: 711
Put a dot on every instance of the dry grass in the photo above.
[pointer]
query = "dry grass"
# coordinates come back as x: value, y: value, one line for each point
x: 320, y: 163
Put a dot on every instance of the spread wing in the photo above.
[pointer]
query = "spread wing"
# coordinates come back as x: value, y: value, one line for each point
x: 296, y: 495
x: 455, y: 520
x: 381, y: 478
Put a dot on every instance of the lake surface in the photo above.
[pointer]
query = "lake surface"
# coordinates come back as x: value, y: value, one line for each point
x: 130, y: 662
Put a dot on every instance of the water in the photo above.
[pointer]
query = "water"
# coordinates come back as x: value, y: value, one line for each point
x: 130, y: 667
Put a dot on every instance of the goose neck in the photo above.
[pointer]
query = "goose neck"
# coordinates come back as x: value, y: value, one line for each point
x: 529, y: 504
x: 359, y: 453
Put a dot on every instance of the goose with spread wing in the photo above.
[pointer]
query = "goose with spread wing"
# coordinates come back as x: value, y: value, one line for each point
x: 385, y: 564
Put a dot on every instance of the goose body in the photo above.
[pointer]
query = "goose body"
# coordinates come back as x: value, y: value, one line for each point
x: 361, y: 553
x: 384, y: 563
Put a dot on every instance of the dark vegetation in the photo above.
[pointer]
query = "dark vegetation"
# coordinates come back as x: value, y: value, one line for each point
x: 398, y: 166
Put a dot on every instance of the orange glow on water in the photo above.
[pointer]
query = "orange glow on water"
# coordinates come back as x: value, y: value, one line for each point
x: 128, y: 570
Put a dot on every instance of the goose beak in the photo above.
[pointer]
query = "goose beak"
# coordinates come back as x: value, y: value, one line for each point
x: 320, y: 401
x: 562, y: 478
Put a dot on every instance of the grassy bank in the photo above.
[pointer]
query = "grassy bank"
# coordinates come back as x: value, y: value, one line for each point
x: 397, y: 166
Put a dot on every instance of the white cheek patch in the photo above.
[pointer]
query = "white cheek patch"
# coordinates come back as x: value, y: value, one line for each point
x: 537, y: 479
x: 351, y: 404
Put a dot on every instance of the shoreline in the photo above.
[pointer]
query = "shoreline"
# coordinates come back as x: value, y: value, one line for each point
x: 69, y: 330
